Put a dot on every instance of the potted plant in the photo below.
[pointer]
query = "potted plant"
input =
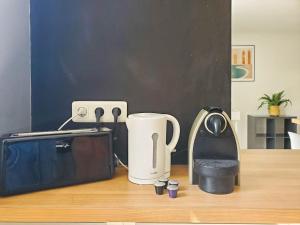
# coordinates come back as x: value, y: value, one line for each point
x: 274, y: 102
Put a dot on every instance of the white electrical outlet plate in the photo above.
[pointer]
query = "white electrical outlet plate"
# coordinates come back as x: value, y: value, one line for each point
x: 90, y: 107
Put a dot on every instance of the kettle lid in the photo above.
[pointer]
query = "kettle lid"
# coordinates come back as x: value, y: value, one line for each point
x: 146, y: 116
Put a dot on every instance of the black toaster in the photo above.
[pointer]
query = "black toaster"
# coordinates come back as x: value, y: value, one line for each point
x: 43, y: 160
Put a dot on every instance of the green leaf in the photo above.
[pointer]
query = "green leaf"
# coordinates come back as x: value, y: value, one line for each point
x: 285, y: 102
x: 268, y: 97
x: 262, y: 104
x: 264, y: 98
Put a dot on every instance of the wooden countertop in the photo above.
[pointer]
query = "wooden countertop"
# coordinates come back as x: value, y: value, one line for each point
x: 269, y: 193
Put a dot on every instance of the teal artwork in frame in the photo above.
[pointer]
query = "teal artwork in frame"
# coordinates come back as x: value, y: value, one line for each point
x: 243, y: 63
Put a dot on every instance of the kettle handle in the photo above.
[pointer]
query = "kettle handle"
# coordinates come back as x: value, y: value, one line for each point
x: 176, y: 133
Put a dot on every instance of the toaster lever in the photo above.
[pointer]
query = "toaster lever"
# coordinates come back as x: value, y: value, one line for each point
x: 62, y: 146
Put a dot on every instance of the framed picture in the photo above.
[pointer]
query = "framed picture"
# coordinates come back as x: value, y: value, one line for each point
x: 243, y: 63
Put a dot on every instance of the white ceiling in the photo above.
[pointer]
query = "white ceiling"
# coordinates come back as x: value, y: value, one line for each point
x: 266, y: 15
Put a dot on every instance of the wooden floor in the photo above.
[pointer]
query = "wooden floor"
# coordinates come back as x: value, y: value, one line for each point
x: 296, y: 121
x: 269, y: 193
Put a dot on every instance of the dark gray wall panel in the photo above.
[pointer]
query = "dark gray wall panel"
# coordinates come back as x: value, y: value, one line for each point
x: 15, y: 99
x: 169, y: 56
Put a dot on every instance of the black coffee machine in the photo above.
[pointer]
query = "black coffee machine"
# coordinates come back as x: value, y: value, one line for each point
x: 213, y: 152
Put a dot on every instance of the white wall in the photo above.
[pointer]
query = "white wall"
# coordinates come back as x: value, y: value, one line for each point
x: 277, y: 67
x: 273, y: 26
x: 15, y: 109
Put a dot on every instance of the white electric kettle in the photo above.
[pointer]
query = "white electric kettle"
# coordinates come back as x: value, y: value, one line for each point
x: 149, y: 157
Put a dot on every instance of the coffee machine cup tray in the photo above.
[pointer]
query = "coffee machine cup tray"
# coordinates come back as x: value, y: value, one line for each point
x: 216, y: 176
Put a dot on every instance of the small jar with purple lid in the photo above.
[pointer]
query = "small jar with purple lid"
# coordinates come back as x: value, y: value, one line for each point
x: 172, y: 190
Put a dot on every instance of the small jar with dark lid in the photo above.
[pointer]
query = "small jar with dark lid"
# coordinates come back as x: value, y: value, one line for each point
x: 173, y: 182
x: 165, y: 181
x: 159, y: 187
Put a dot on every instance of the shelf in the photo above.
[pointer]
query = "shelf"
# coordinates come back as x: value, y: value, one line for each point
x: 276, y: 136
x: 270, y: 132
x: 273, y: 117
